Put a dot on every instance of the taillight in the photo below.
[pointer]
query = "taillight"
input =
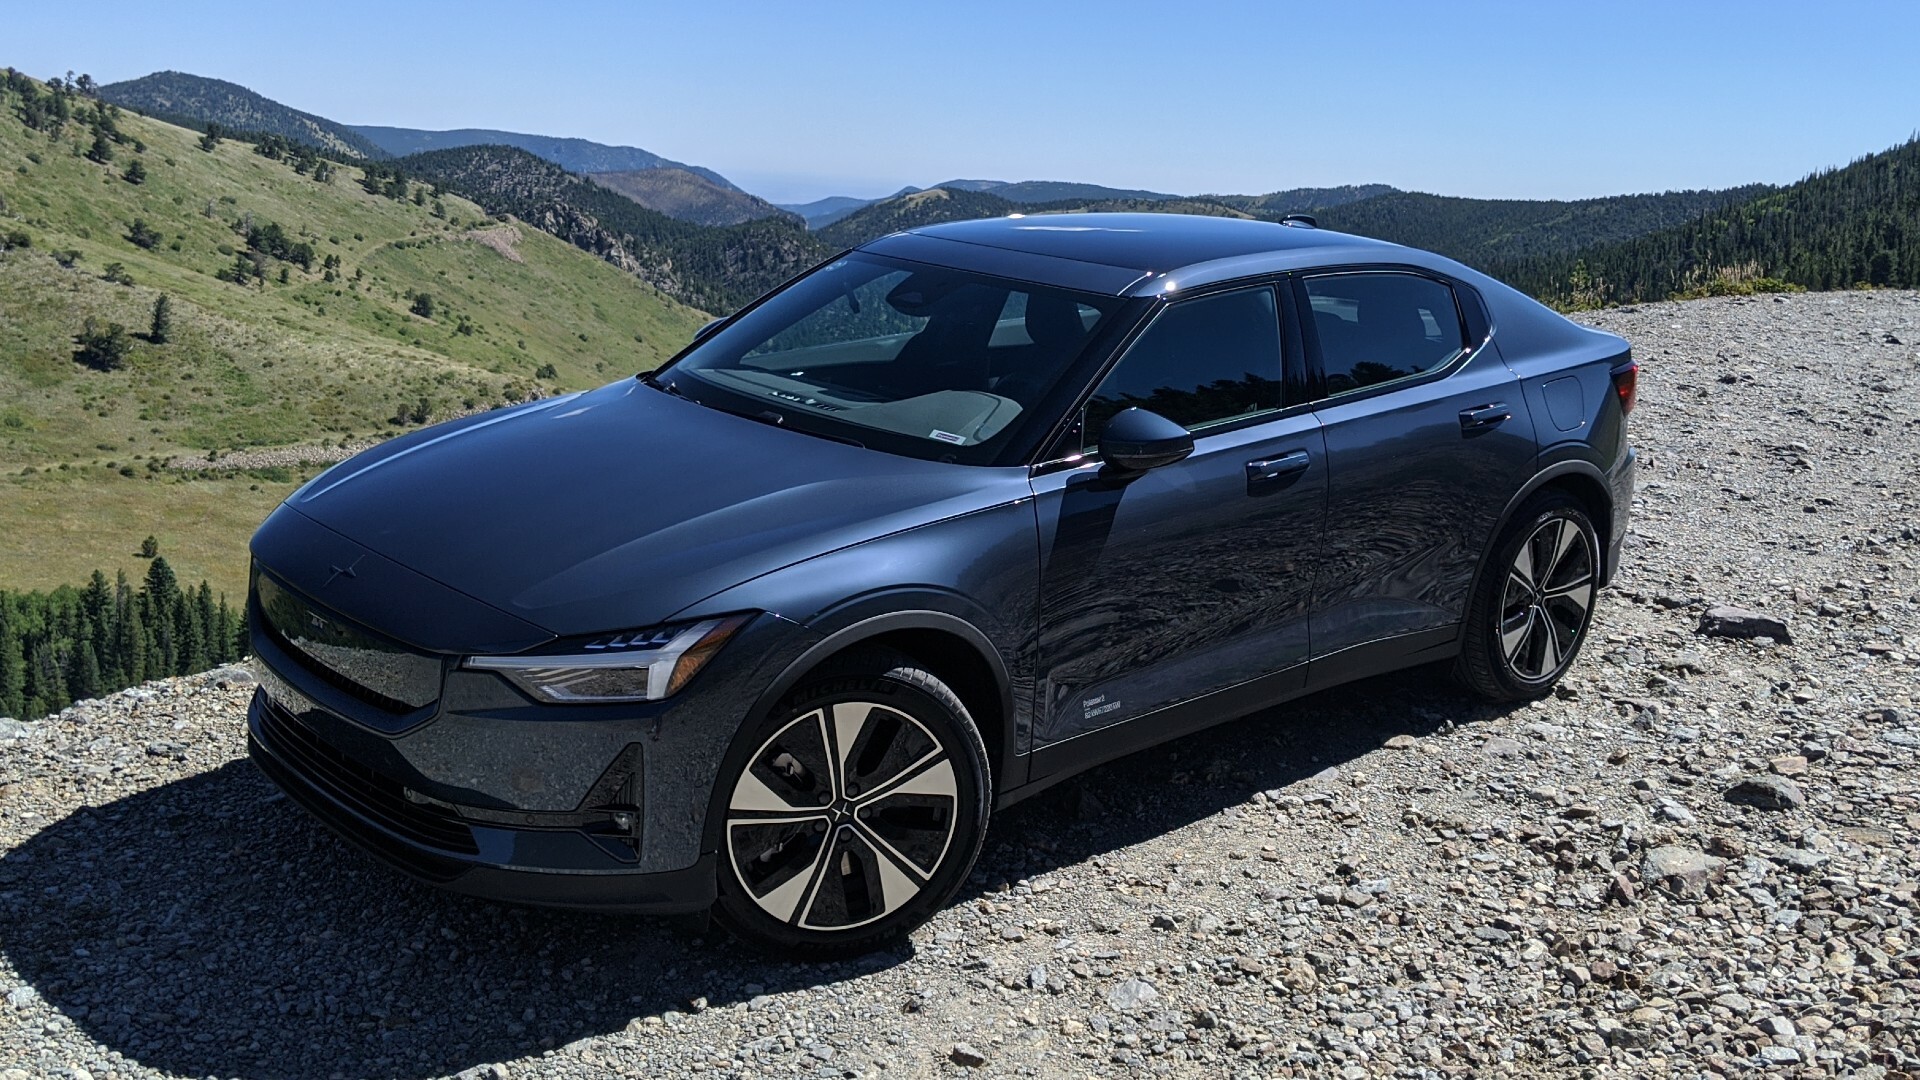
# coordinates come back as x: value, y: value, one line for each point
x: 1626, y: 383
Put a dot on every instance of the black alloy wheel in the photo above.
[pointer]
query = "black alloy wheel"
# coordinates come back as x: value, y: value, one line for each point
x: 1534, y: 601
x: 856, y: 813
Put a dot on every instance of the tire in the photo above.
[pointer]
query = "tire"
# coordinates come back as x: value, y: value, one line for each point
x: 854, y: 813
x: 1524, y: 628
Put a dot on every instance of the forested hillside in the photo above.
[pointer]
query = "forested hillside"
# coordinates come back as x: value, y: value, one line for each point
x: 1857, y: 225
x: 71, y: 644
x: 166, y: 298
x: 574, y: 155
x: 1276, y: 204
x: 717, y: 269
x: 688, y: 196
x: 929, y: 207
x: 195, y: 101
x: 1475, y: 231
x: 1481, y: 231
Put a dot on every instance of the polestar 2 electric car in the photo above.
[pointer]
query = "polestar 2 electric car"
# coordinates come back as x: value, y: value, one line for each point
x: 772, y: 630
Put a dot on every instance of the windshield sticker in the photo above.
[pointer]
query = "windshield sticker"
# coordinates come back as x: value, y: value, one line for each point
x: 948, y: 437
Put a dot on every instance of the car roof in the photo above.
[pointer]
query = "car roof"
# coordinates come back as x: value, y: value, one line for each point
x: 1130, y: 254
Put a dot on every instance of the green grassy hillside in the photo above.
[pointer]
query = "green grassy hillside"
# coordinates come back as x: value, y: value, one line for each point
x: 268, y: 363
x: 714, y: 267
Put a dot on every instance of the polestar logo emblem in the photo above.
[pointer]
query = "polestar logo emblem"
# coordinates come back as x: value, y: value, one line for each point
x: 346, y: 571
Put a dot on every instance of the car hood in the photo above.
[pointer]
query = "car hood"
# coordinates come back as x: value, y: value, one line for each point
x: 616, y: 508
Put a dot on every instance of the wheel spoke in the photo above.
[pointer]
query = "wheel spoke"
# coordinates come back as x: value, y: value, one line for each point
x: 753, y: 798
x: 1579, y: 590
x: 1550, y: 646
x: 1523, y: 564
x: 1563, y: 538
x: 1513, y: 637
x: 858, y: 885
x: 849, y: 718
x: 1518, y: 588
x: 783, y: 903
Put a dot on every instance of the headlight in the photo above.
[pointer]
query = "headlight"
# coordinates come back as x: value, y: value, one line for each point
x: 644, y: 666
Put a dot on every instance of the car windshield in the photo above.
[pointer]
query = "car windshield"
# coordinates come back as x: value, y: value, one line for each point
x: 913, y: 359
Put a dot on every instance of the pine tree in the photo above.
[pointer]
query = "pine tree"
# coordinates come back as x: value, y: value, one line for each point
x: 132, y: 643
x: 13, y: 666
x: 162, y: 595
x: 162, y: 320
x: 136, y: 173
x: 207, y: 616
x: 83, y: 673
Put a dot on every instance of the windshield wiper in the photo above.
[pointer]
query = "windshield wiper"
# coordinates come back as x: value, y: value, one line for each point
x: 653, y: 379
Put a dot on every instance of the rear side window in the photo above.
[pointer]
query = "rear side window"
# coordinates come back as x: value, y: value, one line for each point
x: 1203, y: 362
x: 1375, y: 328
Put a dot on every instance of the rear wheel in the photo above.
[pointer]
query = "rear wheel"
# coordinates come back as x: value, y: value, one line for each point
x: 856, y: 813
x: 1530, y: 611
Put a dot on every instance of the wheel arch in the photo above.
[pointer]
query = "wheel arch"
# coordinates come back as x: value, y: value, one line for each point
x: 1581, y: 479
x: 947, y: 645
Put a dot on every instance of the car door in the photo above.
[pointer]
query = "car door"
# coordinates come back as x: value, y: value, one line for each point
x: 1195, y: 576
x: 1427, y: 438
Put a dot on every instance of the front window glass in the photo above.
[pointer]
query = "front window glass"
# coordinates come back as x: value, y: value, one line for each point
x: 1202, y: 363
x: 914, y: 359
x: 1375, y: 328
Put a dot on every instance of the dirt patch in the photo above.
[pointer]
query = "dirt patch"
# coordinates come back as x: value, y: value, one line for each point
x: 500, y: 238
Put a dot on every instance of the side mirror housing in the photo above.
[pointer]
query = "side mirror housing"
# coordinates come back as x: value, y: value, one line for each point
x: 1136, y: 440
x: 704, y: 332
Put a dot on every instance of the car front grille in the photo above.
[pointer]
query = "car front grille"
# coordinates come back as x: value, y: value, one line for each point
x: 358, y: 788
x: 357, y: 662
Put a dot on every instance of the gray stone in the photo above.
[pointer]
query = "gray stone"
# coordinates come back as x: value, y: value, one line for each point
x: 964, y: 1054
x: 1682, y: 871
x: 231, y: 678
x: 1501, y: 746
x: 1767, y: 793
x: 22, y: 996
x: 1132, y: 996
x: 1725, y: 620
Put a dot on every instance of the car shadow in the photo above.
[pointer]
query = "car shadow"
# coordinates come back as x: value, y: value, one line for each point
x: 210, y: 927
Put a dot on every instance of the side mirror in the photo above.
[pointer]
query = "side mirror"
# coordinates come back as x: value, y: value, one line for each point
x: 1136, y: 440
x: 704, y: 332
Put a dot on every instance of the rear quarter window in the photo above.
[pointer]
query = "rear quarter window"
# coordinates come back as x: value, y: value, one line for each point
x: 1376, y: 328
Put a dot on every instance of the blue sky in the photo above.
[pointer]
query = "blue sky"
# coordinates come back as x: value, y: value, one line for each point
x: 798, y: 101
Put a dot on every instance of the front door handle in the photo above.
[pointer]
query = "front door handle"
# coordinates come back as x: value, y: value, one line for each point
x: 1484, y: 416
x: 1276, y: 469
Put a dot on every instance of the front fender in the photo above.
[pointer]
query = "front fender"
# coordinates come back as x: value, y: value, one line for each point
x: 974, y: 577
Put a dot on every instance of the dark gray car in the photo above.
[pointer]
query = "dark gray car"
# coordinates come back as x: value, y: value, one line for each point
x: 941, y: 522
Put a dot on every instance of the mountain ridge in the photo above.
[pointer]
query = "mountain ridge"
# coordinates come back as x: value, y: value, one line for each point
x: 193, y: 101
x: 688, y: 196
x: 575, y: 155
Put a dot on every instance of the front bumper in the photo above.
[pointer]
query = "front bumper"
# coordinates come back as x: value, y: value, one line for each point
x: 555, y: 867
x: 489, y: 793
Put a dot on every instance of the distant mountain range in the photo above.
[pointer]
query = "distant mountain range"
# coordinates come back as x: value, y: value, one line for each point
x: 573, y: 155
x: 701, y: 239
x: 823, y: 212
x: 195, y: 101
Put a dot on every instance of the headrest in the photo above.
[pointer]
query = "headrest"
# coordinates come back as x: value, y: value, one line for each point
x: 1053, y: 321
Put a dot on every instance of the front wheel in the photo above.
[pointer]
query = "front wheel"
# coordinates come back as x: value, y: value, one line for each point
x: 1530, y: 611
x: 856, y: 813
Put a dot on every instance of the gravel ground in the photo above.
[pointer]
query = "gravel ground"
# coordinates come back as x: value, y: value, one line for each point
x: 1700, y: 856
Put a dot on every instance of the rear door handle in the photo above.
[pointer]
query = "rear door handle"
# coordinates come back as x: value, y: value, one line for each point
x: 1484, y: 416
x: 1290, y: 464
